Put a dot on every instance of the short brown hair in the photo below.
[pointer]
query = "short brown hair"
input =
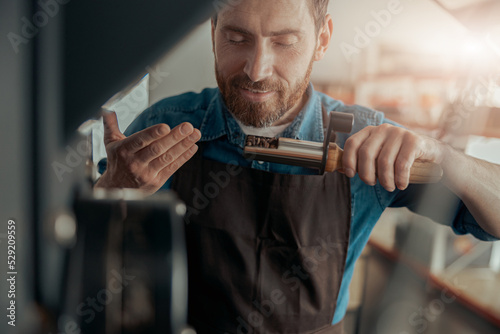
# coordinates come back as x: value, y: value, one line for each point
x: 318, y: 9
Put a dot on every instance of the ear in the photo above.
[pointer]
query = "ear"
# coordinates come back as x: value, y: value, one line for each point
x: 324, y: 38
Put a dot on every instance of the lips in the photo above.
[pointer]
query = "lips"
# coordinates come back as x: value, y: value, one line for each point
x: 255, y: 95
x: 257, y: 91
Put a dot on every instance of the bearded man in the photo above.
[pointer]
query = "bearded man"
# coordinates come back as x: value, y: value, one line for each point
x: 272, y: 247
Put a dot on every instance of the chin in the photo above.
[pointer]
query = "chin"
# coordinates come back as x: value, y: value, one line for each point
x: 258, y: 118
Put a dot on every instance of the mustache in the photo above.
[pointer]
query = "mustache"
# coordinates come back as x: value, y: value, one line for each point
x: 246, y: 83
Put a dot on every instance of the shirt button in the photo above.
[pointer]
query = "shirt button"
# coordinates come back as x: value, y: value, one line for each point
x: 260, y: 162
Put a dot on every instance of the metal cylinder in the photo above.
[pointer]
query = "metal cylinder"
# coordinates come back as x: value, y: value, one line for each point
x: 342, y: 122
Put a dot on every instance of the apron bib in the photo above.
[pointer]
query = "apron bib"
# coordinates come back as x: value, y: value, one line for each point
x: 266, y: 252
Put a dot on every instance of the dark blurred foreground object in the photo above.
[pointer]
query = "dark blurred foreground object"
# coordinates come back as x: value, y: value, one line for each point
x: 108, y: 44
x: 127, y: 272
x: 61, y: 61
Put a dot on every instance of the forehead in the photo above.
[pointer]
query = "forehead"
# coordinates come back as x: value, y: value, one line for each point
x: 266, y: 16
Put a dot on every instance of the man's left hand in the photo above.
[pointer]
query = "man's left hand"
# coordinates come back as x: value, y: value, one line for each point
x: 386, y: 153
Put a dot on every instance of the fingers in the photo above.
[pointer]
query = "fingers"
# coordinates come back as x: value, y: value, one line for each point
x: 112, y: 132
x: 145, y: 159
x: 175, y: 152
x: 386, y: 161
x: 350, y: 156
x: 184, y: 133
x: 368, y: 154
x: 171, y: 168
x: 146, y: 137
x: 385, y: 153
x: 404, y: 161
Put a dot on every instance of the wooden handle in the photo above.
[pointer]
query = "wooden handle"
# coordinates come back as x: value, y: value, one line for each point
x: 425, y: 172
x: 421, y: 172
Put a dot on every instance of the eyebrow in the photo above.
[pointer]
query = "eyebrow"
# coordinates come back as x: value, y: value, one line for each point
x: 272, y: 34
x: 287, y: 32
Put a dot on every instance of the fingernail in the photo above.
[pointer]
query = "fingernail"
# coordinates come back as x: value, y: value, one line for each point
x: 194, y: 136
x: 186, y: 129
x: 349, y: 172
x: 164, y: 130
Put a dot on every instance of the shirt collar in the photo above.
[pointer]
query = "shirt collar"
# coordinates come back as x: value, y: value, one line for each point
x: 213, y: 125
x: 218, y: 121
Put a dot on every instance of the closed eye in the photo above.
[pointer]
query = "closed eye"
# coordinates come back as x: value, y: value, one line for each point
x: 285, y: 41
x: 236, y: 38
x: 283, y: 45
x: 238, y: 42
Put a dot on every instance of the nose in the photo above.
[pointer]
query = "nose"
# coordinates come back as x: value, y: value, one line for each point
x: 259, y: 65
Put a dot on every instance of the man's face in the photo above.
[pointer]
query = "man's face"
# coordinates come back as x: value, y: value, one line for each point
x: 264, y: 52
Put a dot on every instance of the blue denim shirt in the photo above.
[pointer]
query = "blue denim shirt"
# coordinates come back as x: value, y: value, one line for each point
x: 224, y: 142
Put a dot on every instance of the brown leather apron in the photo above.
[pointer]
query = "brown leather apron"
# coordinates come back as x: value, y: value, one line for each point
x: 266, y: 252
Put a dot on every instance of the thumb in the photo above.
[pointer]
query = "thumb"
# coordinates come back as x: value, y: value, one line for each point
x: 112, y: 132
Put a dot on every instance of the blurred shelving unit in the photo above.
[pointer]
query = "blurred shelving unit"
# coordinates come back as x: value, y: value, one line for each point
x: 466, y: 269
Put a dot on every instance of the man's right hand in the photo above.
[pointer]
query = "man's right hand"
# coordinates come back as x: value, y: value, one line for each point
x: 147, y: 159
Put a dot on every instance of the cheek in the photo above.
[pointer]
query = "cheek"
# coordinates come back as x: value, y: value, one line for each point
x: 228, y: 60
x: 294, y: 66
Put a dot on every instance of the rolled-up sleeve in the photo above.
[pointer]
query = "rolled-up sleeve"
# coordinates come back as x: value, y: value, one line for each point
x: 439, y: 203
x: 465, y: 223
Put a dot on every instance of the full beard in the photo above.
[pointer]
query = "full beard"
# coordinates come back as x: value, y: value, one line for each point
x: 260, y: 114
